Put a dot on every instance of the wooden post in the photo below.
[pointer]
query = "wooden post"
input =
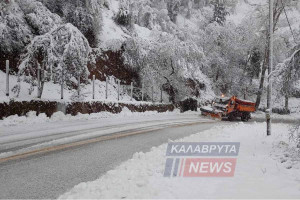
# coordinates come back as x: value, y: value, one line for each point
x: 78, y: 89
x: 161, y: 95
x: 118, y: 90
x: 7, y: 77
x: 62, y: 84
x: 142, y: 91
x: 39, y: 81
x: 131, y: 94
x: 152, y: 94
x: 106, y: 88
x: 51, y: 73
x: 93, y: 86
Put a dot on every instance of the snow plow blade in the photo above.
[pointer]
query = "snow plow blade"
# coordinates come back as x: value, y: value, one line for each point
x: 208, y: 111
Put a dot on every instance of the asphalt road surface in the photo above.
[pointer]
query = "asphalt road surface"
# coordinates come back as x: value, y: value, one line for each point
x: 49, y: 174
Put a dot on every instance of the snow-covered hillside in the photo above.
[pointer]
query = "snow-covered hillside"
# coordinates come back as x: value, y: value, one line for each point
x: 188, y: 48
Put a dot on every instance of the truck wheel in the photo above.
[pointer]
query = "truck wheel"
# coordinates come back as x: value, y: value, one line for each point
x: 230, y: 117
x: 245, y: 117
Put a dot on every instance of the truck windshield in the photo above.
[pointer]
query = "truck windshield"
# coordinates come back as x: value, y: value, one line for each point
x: 223, y: 101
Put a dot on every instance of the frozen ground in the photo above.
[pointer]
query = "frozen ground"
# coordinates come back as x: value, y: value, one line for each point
x: 267, y: 167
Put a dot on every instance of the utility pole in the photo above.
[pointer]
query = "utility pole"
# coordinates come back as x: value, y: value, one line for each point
x: 270, y: 69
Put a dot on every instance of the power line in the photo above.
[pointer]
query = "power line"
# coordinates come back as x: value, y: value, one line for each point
x: 287, y: 18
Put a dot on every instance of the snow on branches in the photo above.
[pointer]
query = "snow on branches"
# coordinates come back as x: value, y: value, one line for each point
x: 166, y: 61
x: 15, y: 33
x: 124, y: 17
x: 287, y: 74
x: 220, y: 12
x: 63, y: 52
x: 38, y: 17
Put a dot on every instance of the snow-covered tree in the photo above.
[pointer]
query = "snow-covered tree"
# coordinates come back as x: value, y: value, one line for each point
x: 20, y: 21
x: 38, y: 17
x: 220, y: 12
x: 278, y: 10
x: 86, y: 15
x: 15, y: 33
x: 286, y: 75
x: 173, y: 7
x: 166, y: 61
x: 63, y: 52
x: 124, y: 16
x: 95, y: 9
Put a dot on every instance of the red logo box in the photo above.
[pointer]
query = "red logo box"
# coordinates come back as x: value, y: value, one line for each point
x: 208, y: 167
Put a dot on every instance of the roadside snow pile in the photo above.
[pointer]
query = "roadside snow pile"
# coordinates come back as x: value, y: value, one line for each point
x: 31, y: 117
x: 267, y: 167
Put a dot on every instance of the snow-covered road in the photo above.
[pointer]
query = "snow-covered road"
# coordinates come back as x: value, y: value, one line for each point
x: 31, y: 136
x: 50, y: 174
x: 266, y: 167
x: 45, y: 157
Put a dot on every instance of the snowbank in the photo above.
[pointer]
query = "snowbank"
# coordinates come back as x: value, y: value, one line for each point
x: 267, y: 167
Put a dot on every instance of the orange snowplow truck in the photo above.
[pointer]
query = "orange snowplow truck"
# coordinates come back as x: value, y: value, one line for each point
x: 229, y: 108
